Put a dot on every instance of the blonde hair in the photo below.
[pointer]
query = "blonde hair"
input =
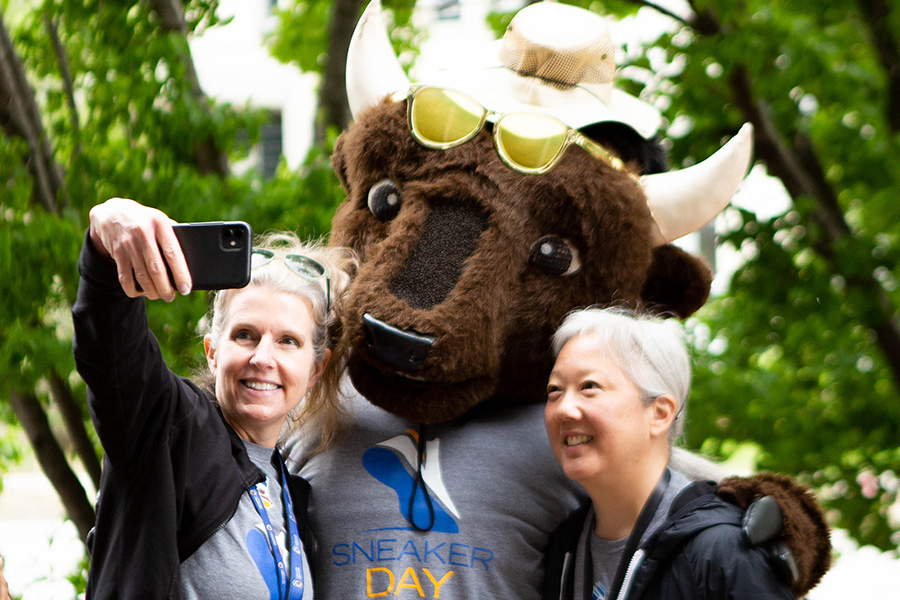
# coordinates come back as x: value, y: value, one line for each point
x: 322, y: 401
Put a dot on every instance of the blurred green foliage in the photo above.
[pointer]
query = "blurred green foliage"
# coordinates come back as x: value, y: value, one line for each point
x: 301, y: 35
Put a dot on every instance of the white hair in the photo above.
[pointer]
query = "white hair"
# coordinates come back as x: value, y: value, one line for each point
x: 649, y: 350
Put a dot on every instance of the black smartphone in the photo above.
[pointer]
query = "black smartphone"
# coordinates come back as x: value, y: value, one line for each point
x: 217, y: 253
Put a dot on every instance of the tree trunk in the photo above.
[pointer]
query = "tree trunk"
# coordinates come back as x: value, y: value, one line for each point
x: 334, y: 110
x: 53, y: 462
x: 208, y: 157
x: 74, y: 420
x: 20, y: 117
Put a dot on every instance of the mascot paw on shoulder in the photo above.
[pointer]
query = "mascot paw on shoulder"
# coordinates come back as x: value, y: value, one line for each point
x: 485, y: 204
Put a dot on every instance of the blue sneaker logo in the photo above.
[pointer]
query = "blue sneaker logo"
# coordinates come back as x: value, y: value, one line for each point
x: 394, y: 463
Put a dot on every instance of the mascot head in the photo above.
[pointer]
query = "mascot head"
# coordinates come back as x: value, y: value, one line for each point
x: 488, y: 203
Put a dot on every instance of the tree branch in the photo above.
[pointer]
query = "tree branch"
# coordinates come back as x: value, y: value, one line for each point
x: 19, y: 117
x: 662, y: 10
x: 702, y: 20
x: 768, y: 141
x: 876, y: 15
x: 65, y: 72
x: 208, y: 156
x: 52, y: 459
x: 797, y: 166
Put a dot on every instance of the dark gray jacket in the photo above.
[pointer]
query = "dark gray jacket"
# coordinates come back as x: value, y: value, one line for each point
x: 698, y: 553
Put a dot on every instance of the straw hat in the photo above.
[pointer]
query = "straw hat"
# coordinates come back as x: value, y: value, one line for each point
x: 553, y: 58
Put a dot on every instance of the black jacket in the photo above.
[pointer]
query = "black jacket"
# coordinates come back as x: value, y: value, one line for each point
x: 698, y: 553
x: 174, y: 471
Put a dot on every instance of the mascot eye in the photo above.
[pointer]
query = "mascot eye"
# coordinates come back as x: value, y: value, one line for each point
x: 555, y: 255
x: 384, y: 200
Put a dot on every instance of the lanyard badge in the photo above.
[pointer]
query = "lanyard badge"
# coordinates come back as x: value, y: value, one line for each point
x: 292, y: 590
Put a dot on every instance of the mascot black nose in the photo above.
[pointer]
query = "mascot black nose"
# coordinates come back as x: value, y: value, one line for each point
x: 404, y: 350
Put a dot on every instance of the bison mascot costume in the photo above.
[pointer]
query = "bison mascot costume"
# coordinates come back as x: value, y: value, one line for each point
x: 484, y: 206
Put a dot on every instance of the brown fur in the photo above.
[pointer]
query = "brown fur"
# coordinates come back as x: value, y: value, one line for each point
x: 495, y: 324
x: 805, y: 529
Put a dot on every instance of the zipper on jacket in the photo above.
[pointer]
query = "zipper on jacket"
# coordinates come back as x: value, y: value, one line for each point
x: 633, y: 565
x: 564, y: 575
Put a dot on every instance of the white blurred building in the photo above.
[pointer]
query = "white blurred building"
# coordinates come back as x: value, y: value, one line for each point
x: 234, y: 66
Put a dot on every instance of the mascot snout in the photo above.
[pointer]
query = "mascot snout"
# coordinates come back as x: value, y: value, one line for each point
x: 403, y: 350
x: 428, y: 277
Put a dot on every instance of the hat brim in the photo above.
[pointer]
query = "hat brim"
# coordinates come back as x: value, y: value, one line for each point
x: 503, y: 90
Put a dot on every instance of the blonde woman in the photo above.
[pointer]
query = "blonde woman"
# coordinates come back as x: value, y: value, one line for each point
x: 195, y: 501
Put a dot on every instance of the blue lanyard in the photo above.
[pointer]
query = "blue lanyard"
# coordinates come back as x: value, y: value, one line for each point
x: 294, y: 591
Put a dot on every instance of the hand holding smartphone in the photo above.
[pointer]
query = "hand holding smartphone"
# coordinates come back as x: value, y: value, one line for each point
x: 217, y: 253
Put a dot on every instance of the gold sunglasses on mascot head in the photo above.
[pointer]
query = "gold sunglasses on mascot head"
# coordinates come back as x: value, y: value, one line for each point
x: 441, y: 118
x: 304, y: 266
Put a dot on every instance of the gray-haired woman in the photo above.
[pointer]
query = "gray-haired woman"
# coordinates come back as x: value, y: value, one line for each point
x: 615, y: 401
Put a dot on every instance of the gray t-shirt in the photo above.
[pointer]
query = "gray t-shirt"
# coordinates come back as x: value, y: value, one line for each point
x: 242, y: 545
x: 496, y: 493
x: 606, y: 554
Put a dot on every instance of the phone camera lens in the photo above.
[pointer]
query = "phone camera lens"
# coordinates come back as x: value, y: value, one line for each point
x: 231, y: 237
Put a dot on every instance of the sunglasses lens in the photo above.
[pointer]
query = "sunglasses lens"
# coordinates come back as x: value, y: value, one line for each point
x: 444, y: 117
x: 312, y: 270
x: 530, y: 141
x: 259, y: 258
x: 304, y: 266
